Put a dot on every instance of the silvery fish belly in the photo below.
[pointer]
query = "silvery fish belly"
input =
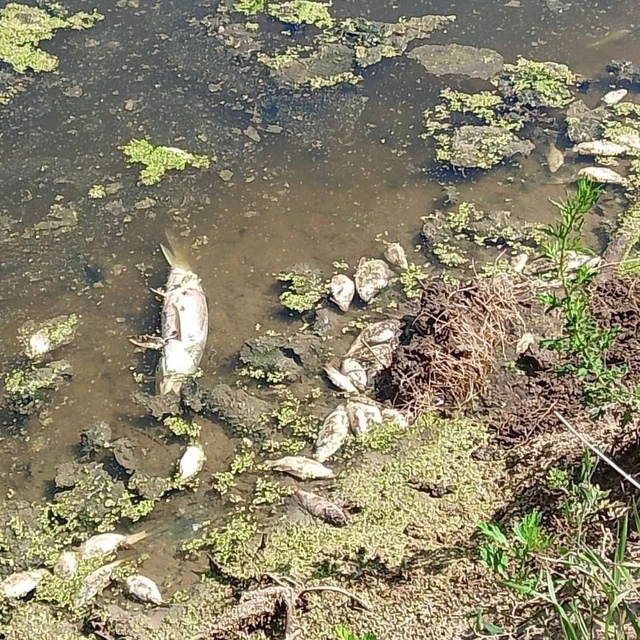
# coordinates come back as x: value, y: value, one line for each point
x: 185, y: 323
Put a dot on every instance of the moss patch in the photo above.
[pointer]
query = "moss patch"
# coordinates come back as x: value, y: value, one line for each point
x: 22, y: 28
x: 158, y: 160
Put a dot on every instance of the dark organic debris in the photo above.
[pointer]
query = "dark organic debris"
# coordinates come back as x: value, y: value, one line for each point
x: 450, y: 343
x: 625, y: 70
x: 264, y: 607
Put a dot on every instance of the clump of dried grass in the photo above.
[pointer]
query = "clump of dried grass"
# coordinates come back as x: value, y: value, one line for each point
x: 451, y: 341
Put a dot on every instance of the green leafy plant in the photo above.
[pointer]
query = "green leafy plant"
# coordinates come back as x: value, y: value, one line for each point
x: 583, y: 345
x: 343, y: 633
x: 511, y: 557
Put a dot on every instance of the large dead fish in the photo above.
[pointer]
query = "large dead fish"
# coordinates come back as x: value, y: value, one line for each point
x: 184, y: 325
x: 332, y: 434
x: 300, y: 467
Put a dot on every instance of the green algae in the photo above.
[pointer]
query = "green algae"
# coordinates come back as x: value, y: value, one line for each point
x: 248, y: 7
x: 23, y: 27
x: 181, y: 427
x: 302, y: 12
x: 97, y: 191
x: 224, y: 481
x: 158, y: 160
x: 389, y: 505
x: 540, y: 84
x: 412, y: 278
x: 306, y: 287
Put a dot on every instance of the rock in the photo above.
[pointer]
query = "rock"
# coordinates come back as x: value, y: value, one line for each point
x: 95, y: 437
x: 266, y: 354
x: 239, y: 409
x: 584, y: 124
x: 371, y: 277
x: 460, y: 60
x: 483, y: 146
x: 125, y: 453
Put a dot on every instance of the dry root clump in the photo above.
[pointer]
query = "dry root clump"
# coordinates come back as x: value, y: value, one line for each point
x: 450, y: 343
x: 266, y: 607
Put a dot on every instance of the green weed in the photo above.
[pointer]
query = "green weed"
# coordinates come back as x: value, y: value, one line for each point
x: 583, y: 345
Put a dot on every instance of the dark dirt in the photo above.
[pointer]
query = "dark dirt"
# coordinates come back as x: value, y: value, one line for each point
x: 516, y: 395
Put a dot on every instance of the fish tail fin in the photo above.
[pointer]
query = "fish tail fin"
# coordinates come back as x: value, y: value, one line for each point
x: 136, y: 537
x: 174, y: 253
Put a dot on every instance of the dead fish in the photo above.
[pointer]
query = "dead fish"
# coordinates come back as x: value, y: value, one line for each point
x: 341, y: 290
x: 602, y: 174
x: 371, y: 277
x: 300, y: 467
x: 191, y: 462
x: 144, y: 589
x: 66, y: 565
x: 575, y: 259
x: 524, y: 343
x: 394, y: 415
x: 555, y: 157
x: 361, y: 415
x: 106, y: 543
x: 601, y: 148
x: 332, y: 434
x: 375, y: 333
x: 340, y: 380
x: 611, y: 37
x: 184, y: 325
x: 631, y: 140
x: 519, y: 263
x: 356, y: 372
x: 96, y: 582
x: 376, y: 357
x: 395, y: 255
x: 21, y: 584
x: 321, y: 508
x: 613, y: 97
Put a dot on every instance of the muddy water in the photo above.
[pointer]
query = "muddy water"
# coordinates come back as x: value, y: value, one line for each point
x: 358, y: 171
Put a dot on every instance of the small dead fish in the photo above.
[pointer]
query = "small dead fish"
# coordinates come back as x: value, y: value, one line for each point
x: 371, y: 277
x: 602, y: 174
x: 184, y: 324
x: 555, y: 157
x: 524, y: 343
x: 300, y: 467
x: 395, y: 255
x: 144, y: 589
x: 21, y: 584
x: 340, y: 380
x: 355, y: 372
x: 393, y: 415
x: 376, y: 333
x: 106, y: 543
x: 191, y: 462
x: 575, y: 259
x: 631, y: 140
x: 332, y: 434
x: 361, y: 415
x: 601, y: 148
x: 519, y: 263
x: 613, y: 97
x: 611, y: 37
x: 66, y: 565
x: 96, y: 582
x: 321, y: 508
x: 341, y: 290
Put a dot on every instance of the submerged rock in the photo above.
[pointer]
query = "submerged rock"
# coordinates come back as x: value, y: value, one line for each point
x: 460, y: 60
x: 40, y: 338
x: 25, y: 389
x: 239, y: 409
x: 584, y: 124
x: 265, y: 357
x: 483, y: 147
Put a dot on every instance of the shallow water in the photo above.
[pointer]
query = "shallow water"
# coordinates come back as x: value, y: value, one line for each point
x: 357, y: 173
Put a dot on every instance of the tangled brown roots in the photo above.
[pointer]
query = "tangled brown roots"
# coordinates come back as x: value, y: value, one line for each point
x: 450, y: 343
